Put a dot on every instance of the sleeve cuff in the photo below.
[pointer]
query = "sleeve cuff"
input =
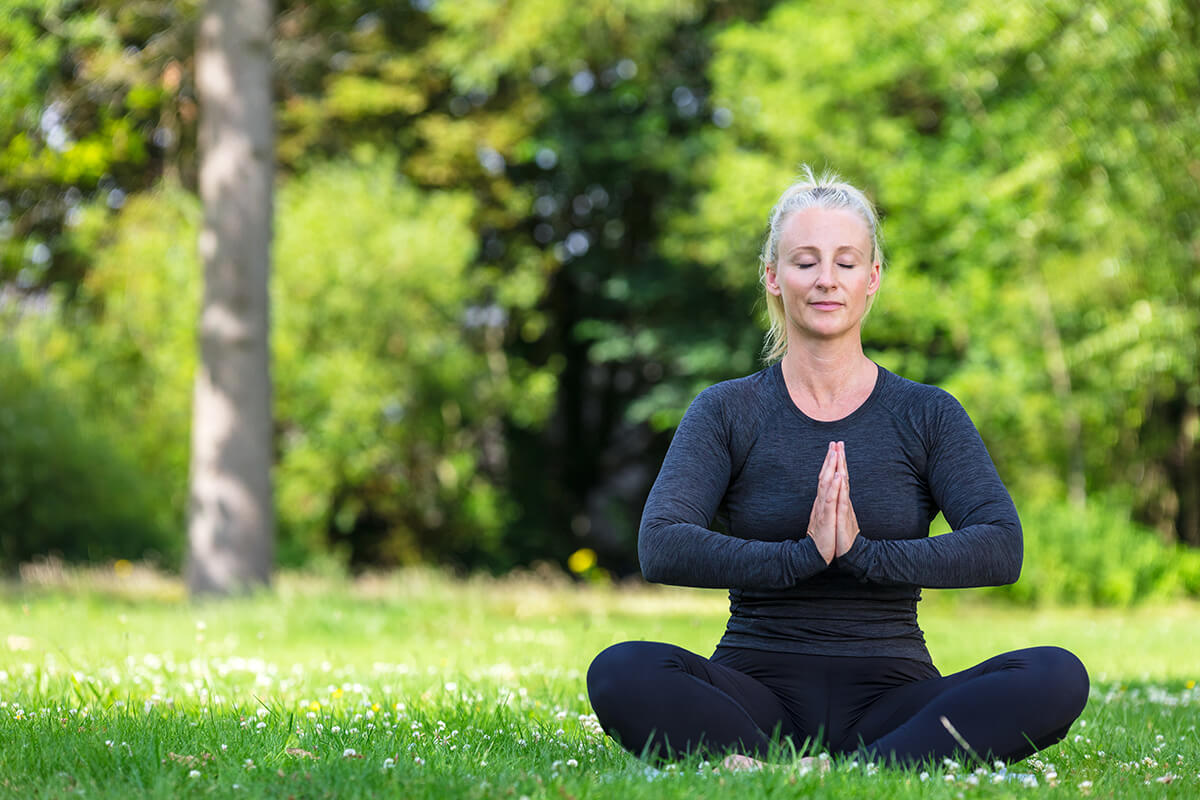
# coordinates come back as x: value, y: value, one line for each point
x: 806, y: 560
x: 858, y: 559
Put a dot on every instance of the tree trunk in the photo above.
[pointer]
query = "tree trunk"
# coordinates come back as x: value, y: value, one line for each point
x: 231, y: 521
x: 1184, y: 468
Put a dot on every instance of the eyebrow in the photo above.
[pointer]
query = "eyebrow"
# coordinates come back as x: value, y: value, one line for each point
x: 814, y: 249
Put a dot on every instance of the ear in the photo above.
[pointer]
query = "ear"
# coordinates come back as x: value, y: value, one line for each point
x: 873, y: 280
x: 772, y: 280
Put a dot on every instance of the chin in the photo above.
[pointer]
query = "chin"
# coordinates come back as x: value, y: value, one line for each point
x: 833, y: 329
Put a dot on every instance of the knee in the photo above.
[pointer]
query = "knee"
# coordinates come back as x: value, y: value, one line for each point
x: 604, y: 672
x: 1067, y: 678
x: 614, y: 674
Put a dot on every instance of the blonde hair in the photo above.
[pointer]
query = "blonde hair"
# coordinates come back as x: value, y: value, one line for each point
x: 827, y: 191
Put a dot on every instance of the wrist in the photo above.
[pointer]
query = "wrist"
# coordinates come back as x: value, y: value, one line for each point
x: 846, y: 543
x: 855, y: 547
x: 858, y: 559
x: 827, y: 557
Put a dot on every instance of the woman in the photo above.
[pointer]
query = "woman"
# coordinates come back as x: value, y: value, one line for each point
x: 825, y: 470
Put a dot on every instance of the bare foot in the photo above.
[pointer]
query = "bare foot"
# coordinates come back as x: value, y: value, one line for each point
x: 737, y: 761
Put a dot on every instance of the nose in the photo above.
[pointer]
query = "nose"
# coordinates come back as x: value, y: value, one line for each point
x: 826, y: 277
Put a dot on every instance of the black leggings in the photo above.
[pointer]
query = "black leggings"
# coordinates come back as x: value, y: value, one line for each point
x: 663, y: 701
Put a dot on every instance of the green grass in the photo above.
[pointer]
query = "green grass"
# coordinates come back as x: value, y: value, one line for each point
x: 413, y: 685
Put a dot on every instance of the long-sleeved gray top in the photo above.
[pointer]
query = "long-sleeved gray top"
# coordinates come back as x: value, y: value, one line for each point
x: 731, y: 505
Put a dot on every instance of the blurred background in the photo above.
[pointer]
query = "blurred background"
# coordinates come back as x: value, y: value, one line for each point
x: 513, y: 239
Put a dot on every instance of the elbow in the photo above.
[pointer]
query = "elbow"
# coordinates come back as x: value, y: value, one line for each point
x: 1015, y: 553
x: 651, y: 574
x: 652, y: 570
x: 650, y: 555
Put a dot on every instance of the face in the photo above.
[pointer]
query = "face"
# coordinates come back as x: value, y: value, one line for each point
x: 824, y: 273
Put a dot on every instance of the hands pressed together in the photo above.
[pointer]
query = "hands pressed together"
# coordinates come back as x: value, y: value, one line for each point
x: 832, y: 524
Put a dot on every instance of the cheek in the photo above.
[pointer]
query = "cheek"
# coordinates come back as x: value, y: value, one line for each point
x: 794, y: 278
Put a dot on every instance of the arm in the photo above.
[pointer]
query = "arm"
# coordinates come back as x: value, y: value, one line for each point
x: 984, y: 547
x: 675, y: 544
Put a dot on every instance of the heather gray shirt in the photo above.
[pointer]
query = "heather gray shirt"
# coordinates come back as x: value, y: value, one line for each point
x: 731, y: 505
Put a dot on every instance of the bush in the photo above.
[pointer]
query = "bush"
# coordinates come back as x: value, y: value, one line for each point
x: 391, y: 387
x: 391, y: 382
x: 65, y: 488
x: 1098, y: 555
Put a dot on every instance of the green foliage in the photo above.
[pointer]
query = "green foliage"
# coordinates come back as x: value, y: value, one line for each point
x: 1039, y: 220
x: 1097, y: 556
x: 389, y: 378
x: 1034, y: 163
x: 28, y: 59
x: 391, y: 381
x: 124, y: 351
x: 65, y: 487
x: 94, y: 107
x: 576, y: 126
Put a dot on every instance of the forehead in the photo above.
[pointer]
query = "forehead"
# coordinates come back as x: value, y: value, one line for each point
x: 824, y: 229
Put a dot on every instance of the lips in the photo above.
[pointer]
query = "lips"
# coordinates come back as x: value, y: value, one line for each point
x: 826, y: 306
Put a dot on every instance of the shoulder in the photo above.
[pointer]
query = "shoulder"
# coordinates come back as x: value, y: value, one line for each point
x: 926, y: 408
x: 734, y: 407
x: 749, y: 388
x: 738, y: 401
x: 907, y: 394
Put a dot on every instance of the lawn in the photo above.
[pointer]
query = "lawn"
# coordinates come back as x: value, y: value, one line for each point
x: 415, y: 685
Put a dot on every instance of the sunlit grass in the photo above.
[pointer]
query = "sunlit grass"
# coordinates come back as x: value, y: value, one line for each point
x: 415, y: 685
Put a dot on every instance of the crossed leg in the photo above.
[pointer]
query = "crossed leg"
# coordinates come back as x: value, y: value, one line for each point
x: 661, y: 700
x: 1006, y: 708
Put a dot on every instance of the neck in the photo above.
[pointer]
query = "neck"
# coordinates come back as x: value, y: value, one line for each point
x: 827, y: 370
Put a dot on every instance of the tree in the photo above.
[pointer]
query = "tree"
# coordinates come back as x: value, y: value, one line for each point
x: 97, y: 104
x: 231, y: 516
x: 1035, y: 167
x: 619, y: 156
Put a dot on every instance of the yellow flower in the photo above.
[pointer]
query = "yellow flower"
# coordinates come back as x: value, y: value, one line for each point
x: 337, y: 693
x: 122, y: 568
x: 374, y: 706
x: 582, y: 560
x: 1190, y: 685
x: 314, y: 706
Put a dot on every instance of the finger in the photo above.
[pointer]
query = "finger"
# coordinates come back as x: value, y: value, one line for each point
x: 827, y: 470
x: 827, y: 508
x: 842, y: 466
x: 845, y: 509
x: 830, y: 462
x: 842, y: 522
x: 826, y: 488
